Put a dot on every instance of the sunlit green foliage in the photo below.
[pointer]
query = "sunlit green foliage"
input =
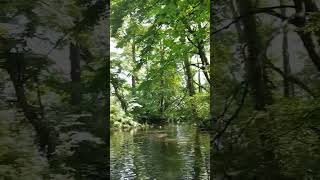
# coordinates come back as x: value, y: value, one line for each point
x: 157, y: 39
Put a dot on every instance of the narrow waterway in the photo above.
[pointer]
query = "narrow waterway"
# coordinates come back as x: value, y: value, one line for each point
x: 171, y: 152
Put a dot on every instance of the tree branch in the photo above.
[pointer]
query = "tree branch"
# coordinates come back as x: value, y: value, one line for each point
x: 235, y: 114
x: 292, y: 79
x: 268, y: 10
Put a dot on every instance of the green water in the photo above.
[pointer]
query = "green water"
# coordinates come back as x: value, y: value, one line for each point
x: 170, y: 152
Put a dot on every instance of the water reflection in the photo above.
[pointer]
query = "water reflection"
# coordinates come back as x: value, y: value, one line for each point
x: 172, y: 152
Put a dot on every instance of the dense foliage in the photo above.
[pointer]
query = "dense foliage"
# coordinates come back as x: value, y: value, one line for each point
x: 53, y: 89
x: 159, y: 70
x: 266, y: 101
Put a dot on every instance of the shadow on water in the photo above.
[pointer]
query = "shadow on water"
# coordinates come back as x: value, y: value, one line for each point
x: 172, y: 152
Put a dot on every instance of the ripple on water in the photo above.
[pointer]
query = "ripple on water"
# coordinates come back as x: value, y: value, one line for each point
x: 174, y: 152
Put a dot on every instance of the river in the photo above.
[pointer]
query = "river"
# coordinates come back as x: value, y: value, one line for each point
x: 172, y: 152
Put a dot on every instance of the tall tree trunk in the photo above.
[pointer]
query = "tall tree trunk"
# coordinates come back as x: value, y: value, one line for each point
x: 133, y: 84
x: 190, y: 85
x: 256, y: 76
x: 204, y: 60
x: 199, y: 78
x: 255, y: 69
x: 45, y: 134
x: 201, y: 52
x: 162, y: 83
x: 133, y: 77
x: 213, y: 119
x: 115, y: 85
x: 75, y: 74
x: 288, y: 88
x: 162, y: 100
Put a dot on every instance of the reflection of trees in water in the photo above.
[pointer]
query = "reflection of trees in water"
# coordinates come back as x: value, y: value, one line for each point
x: 194, y: 145
x: 122, y: 155
x: 139, y: 159
x: 145, y: 155
x: 162, y: 157
x: 197, y: 156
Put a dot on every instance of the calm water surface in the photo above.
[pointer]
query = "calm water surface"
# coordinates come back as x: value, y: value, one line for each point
x: 171, y: 152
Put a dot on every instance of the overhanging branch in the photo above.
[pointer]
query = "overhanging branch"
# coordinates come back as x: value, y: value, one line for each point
x: 267, y: 10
